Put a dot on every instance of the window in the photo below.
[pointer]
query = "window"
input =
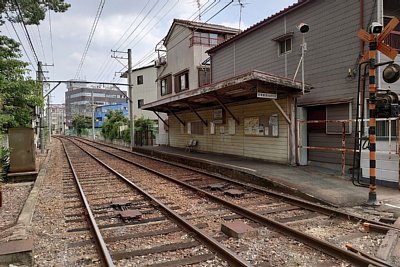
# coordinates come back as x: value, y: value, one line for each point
x: 285, y: 46
x: 197, y: 127
x: 139, y: 79
x: 181, y: 81
x: 204, y: 76
x: 206, y: 38
x: 166, y: 85
x: 140, y: 103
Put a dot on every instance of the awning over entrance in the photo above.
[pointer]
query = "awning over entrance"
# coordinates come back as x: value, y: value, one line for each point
x: 254, y: 86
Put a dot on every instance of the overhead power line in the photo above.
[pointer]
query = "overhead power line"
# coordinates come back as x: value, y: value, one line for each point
x: 91, y: 34
x: 22, y: 45
x: 51, y: 40
x: 26, y: 32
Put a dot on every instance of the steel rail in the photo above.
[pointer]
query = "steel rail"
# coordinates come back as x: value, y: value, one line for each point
x: 292, y: 200
x: 227, y: 254
x: 101, y: 245
x: 313, y: 242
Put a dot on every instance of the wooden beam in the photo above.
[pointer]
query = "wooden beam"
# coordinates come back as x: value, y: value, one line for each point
x: 197, y: 114
x: 281, y: 111
x: 181, y: 121
x: 161, y: 118
x: 226, y: 109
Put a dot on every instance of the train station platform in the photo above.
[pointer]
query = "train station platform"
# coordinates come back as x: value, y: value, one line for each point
x: 314, y: 183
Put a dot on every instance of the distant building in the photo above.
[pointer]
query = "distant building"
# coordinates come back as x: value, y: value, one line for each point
x: 101, y: 112
x: 57, y: 118
x: 145, y: 91
x: 80, y: 98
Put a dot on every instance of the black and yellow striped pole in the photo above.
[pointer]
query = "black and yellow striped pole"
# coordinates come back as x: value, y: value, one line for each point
x: 375, y: 38
x: 372, y: 199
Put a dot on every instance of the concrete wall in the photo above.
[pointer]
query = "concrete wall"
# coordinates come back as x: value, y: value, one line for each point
x: 263, y: 147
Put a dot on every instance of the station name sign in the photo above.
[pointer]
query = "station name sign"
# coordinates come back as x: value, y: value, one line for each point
x: 266, y: 95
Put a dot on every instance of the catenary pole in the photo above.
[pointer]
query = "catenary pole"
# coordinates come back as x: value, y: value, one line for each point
x: 41, y: 113
x: 130, y: 93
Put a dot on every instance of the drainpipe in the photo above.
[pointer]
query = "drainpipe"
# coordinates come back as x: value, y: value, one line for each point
x: 379, y: 19
x: 361, y: 25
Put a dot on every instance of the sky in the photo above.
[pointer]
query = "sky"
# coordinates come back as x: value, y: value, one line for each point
x: 60, y: 41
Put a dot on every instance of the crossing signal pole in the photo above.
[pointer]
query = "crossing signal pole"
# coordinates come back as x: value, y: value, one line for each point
x: 375, y: 38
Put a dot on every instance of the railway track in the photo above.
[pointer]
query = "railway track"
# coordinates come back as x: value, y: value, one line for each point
x: 219, y: 202
x: 129, y: 226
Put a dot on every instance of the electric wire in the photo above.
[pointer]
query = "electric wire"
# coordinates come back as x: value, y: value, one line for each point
x: 107, y: 60
x: 111, y: 66
x: 144, y: 27
x: 22, y: 45
x: 192, y: 18
x: 151, y: 9
x: 132, y: 23
x: 206, y: 10
x: 51, y: 39
x: 207, y: 7
x: 26, y: 32
x: 91, y: 34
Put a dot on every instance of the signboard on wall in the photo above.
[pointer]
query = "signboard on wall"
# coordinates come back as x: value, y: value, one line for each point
x: 262, y: 125
x: 219, y: 116
x: 266, y: 95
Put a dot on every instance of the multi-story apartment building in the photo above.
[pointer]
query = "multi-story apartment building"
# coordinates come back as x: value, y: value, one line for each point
x: 257, y: 96
x: 80, y: 98
x: 57, y: 118
x: 101, y: 112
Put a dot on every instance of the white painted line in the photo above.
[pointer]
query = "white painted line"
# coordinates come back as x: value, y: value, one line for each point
x: 236, y: 166
x: 393, y: 206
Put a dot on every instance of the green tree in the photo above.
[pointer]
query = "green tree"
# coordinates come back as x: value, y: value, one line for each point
x: 144, y: 124
x: 33, y: 11
x: 111, y: 126
x: 18, y: 94
x: 80, y: 123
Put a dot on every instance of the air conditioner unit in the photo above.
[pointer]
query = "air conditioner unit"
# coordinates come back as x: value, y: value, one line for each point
x: 162, y: 60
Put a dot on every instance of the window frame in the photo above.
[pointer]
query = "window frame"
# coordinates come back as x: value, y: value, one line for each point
x: 166, y: 82
x: 285, y: 43
x: 139, y: 79
x: 140, y: 102
x: 178, y: 81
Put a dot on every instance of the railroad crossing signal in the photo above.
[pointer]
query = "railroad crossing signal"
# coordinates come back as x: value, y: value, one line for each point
x: 381, y: 46
x: 375, y: 39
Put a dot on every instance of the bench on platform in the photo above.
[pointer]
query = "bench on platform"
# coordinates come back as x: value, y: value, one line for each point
x: 191, y: 145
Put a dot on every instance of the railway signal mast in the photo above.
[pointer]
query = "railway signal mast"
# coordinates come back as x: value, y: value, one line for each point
x: 375, y: 37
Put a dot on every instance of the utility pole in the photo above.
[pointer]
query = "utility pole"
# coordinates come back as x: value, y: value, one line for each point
x: 48, y: 117
x: 130, y: 93
x: 93, y: 135
x: 41, y: 113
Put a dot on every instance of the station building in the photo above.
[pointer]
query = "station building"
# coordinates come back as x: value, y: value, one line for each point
x: 257, y: 105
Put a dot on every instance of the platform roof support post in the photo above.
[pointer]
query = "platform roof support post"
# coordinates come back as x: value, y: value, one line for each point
x: 292, y: 130
x: 161, y: 118
x: 197, y: 114
x: 226, y: 109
